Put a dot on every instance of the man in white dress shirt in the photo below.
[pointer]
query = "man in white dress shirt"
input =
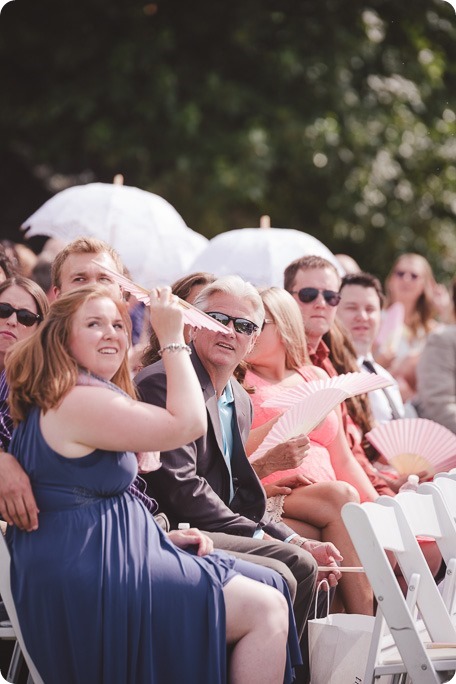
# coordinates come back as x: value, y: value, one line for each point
x: 360, y: 311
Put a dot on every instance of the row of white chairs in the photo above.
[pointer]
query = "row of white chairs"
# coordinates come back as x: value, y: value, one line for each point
x: 414, y: 637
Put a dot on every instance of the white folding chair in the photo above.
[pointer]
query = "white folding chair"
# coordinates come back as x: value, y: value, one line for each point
x: 7, y: 634
x: 428, y: 515
x: 443, y: 492
x: 424, y: 649
x: 5, y: 592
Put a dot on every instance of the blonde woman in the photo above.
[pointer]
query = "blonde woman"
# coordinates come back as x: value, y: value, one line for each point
x: 412, y: 284
x: 307, y: 497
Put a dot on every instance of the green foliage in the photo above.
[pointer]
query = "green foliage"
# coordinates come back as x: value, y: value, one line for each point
x: 337, y: 118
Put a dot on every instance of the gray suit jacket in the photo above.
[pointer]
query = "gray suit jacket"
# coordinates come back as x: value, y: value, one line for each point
x: 436, y: 377
x: 193, y: 484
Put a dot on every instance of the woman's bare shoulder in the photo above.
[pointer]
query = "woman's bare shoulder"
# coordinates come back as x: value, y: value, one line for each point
x: 313, y: 372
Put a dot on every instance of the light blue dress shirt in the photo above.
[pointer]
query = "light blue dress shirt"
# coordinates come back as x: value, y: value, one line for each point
x: 226, y: 411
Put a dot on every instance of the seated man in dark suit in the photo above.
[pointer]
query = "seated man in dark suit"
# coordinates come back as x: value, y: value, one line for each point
x: 210, y: 483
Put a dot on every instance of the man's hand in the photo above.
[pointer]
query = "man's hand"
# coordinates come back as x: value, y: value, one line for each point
x: 192, y: 537
x: 286, y: 485
x: 285, y: 456
x: 17, y: 503
x: 325, y: 554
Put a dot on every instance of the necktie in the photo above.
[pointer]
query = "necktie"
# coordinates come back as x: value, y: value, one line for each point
x: 368, y: 365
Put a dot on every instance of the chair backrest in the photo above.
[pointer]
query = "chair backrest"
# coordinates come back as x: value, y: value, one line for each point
x: 428, y: 515
x: 443, y: 492
x: 374, y: 529
x: 446, y: 483
x: 5, y: 591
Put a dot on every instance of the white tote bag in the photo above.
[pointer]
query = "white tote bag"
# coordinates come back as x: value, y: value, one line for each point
x: 338, y: 648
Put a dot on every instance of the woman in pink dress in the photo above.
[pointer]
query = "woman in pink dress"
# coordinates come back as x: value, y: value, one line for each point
x: 307, y: 492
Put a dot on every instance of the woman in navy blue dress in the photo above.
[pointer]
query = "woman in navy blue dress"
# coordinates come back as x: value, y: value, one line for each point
x: 102, y: 595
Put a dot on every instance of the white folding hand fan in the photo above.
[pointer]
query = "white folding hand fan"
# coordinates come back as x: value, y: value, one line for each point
x: 351, y: 383
x: 301, y: 418
x: 192, y: 315
x: 415, y: 444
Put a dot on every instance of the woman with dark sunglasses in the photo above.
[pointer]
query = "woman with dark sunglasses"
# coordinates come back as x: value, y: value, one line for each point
x: 23, y: 304
x: 410, y: 283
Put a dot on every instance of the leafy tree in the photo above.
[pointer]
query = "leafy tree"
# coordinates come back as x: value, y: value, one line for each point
x: 337, y: 118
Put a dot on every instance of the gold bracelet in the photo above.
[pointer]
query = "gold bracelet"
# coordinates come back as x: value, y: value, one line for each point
x: 174, y: 347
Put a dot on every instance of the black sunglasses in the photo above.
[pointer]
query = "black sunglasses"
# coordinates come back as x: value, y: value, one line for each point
x: 241, y: 325
x: 24, y: 316
x: 309, y: 294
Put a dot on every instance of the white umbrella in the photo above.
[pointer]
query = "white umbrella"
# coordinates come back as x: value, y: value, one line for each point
x: 151, y: 237
x: 259, y: 255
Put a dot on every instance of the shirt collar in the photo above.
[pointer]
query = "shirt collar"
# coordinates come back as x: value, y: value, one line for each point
x: 320, y: 354
x: 227, y: 396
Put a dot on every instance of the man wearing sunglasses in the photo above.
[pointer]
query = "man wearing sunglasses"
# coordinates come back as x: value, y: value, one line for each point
x: 210, y: 483
x: 315, y: 283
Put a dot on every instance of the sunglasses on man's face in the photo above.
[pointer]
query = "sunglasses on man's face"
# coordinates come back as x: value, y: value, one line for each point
x: 24, y: 316
x: 241, y: 325
x: 309, y: 294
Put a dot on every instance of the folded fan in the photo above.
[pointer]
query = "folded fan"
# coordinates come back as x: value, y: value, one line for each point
x: 192, y: 315
x: 415, y: 444
x: 351, y: 383
x: 301, y: 418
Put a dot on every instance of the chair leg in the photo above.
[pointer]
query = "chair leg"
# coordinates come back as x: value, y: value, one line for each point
x: 397, y: 679
x: 15, y: 665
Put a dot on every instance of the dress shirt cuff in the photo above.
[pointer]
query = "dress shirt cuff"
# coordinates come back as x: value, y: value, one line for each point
x: 258, y: 534
x: 290, y: 537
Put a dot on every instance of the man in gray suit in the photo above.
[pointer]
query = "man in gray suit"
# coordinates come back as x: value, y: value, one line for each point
x: 436, y: 375
x: 210, y: 483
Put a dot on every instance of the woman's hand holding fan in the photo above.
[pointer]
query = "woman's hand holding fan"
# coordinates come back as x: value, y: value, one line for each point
x: 301, y: 419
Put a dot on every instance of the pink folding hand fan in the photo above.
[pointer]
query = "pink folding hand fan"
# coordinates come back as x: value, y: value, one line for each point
x: 415, y: 444
x: 192, y: 315
x: 351, y: 383
x: 301, y: 418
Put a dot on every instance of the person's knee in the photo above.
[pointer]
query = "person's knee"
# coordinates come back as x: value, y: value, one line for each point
x: 252, y: 606
x: 273, y: 612
x: 339, y: 493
